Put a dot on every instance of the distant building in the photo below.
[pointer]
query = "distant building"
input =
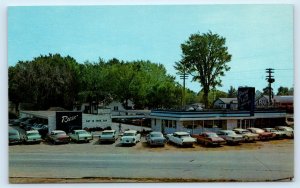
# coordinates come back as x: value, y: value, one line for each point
x: 284, y: 102
x: 262, y: 101
x: 226, y: 103
x: 194, y: 107
x: 196, y: 122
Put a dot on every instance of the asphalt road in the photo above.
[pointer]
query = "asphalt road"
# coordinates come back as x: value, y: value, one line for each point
x: 267, y: 163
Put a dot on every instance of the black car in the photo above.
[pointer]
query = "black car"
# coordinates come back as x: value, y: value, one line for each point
x: 27, y: 124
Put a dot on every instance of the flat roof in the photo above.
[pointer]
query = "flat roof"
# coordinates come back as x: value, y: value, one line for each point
x: 214, y: 115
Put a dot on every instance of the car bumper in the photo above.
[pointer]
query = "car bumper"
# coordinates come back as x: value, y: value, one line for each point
x: 107, y: 139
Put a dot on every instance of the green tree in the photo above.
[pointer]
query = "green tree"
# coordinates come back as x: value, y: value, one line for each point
x: 283, y: 91
x: 232, y: 92
x: 45, y: 81
x: 205, y: 57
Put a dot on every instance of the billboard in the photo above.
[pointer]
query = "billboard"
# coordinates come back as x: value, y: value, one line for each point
x: 246, y: 99
x: 68, y: 121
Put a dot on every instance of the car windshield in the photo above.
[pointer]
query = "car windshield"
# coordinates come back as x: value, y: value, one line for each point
x: 231, y: 133
x: 245, y: 132
x: 184, y: 136
x: 156, y: 135
x: 13, y: 133
x: 107, y: 133
x: 212, y: 135
x: 259, y: 130
x: 128, y: 134
x: 82, y: 132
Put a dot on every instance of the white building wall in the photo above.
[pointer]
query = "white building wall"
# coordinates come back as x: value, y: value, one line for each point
x: 156, y: 126
x: 51, y: 123
x: 90, y: 120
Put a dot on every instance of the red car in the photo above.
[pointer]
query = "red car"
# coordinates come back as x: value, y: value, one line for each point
x: 209, y: 138
x: 262, y: 135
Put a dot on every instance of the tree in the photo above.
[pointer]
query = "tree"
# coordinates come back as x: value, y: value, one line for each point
x: 283, y: 91
x: 232, y: 92
x: 205, y: 58
x: 45, y: 81
x: 266, y: 91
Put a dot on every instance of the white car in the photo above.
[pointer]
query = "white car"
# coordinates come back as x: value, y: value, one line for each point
x: 33, y: 137
x: 289, y: 132
x: 230, y: 136
x: 181, y: 138
x: 247, y: 135
x: 80, y: 136
x: 108, y: 136
x: 130, y: 137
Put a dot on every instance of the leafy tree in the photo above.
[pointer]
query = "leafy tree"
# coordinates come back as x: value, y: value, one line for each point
x: 212, y: 96
x: 45, y: 81
x: 205, y: 58
x: 283, y: 91
x: 232, y: 92
x: 266, y: 91
x: 291, y: 91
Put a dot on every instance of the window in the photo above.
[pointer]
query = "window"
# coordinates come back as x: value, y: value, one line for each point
x: 116, y: 108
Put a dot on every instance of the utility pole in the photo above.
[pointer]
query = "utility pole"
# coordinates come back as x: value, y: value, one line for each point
x: 183, y: 76
x: 270, y: 79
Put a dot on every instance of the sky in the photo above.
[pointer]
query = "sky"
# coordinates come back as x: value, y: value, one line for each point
x: 257, y: 36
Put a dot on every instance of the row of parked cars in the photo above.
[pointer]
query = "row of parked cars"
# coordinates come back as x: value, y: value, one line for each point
x: 157, y: 138
x: 234, y: 136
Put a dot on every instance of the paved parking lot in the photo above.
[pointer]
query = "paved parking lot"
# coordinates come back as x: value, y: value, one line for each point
x: 260, y: 161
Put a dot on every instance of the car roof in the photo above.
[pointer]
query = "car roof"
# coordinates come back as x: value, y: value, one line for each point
x: 239, y: 129
x: 33, y: 131
x: 108, y: 131
x: 130, y: 131
x: 209, y: 132
x: 13, y: 130
x: 181, y: 133
x: 225, y: 131
x: 57, y: 131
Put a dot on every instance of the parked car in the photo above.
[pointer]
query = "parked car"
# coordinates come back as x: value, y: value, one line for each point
x: 289, y: 132
x: 277, y: 134
x: 108, y: 136
x: 58, y: 136
x: 181, y: 138
x: 247, y: 135
x: 230, y: 136
x: 33, y: 137
x: 14, y: 136
x: 209, y: 138
x: 262, y: 135
x: 80, y: 136
x: 155, y: 139
x: 130, y: 137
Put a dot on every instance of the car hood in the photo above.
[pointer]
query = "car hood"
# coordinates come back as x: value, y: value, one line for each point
x: 235, y: 136
x: 250, y: 134
x: 217, y: 139
x: 34, y: 137
x: 188, y: 139
x: 157, y: 138
x: 84, y: 135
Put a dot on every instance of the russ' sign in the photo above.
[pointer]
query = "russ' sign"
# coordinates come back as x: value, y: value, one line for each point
x: 68, y: 121
x: 246, y: 99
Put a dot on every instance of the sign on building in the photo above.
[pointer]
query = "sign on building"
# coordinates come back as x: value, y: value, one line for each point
x: 246, y: 99
x: 68, y: 121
